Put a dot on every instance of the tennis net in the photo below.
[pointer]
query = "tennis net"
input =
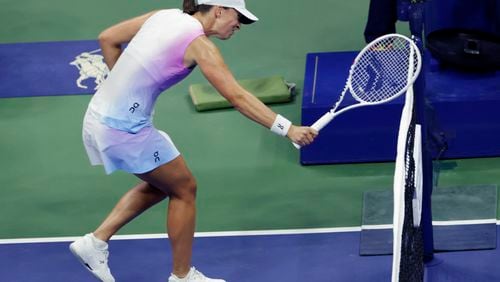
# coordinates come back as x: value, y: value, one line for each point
x: 408, y: 246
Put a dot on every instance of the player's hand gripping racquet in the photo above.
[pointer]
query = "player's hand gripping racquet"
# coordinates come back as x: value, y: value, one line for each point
x: 381, y: 72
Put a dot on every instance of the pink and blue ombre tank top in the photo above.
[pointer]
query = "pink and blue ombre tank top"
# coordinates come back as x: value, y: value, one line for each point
x: 151, y: 63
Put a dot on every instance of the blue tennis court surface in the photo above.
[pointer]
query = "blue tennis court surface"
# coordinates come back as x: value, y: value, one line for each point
x: 45, y: 69
x: 316, y: 257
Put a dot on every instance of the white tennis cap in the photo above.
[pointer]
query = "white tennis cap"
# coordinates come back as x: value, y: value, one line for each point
x: 238, y: 5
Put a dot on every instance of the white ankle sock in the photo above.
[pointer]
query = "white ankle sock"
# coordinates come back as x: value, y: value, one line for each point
x: 183, y: 279
x: 98, y: 243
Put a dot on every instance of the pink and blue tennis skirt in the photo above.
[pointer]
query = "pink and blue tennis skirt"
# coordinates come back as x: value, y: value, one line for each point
x: 116, y: 149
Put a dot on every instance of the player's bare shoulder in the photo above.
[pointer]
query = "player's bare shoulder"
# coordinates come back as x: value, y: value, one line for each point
x: 202, y: 49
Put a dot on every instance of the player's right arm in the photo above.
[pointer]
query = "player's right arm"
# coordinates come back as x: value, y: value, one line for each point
x: 112, y: 38
x: 206, y: 55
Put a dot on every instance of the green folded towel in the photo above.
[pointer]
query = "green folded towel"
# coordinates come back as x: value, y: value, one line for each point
x: 273, y: 89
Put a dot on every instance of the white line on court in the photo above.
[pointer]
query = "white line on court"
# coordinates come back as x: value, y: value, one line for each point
x: 246, y: 233
x: 439, y: 223
x: 465, y: 222
x: 197, y: 234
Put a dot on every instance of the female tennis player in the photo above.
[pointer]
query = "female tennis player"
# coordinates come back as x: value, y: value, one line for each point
x: 163, y: 48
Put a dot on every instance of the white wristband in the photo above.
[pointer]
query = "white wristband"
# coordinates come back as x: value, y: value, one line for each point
x: 281, y: 125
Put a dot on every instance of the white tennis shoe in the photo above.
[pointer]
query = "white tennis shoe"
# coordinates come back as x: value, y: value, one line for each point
x: 93, y: 258
x: 193, y: 276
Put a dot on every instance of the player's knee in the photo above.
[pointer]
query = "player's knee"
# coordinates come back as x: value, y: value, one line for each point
x: 186, y: 189
x: 191, y: 187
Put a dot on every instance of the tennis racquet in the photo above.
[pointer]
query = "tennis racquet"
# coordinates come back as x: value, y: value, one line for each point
x: 381, y: 72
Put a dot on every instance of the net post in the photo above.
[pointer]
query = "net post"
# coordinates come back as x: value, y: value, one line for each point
x: 416, y: 21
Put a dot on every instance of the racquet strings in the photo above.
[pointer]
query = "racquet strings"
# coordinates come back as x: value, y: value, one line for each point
x: 381, y: 71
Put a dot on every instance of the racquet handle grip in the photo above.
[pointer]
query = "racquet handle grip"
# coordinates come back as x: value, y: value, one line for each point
x: 323, y: 121
x: 319, y: 124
